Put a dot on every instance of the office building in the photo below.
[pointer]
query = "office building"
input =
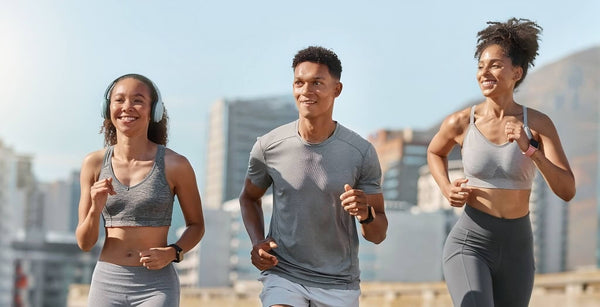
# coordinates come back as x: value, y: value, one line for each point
x: 412, y: 250
x: 47, y: 263
x: 568, y: 92
x: 18, y: 211
x: 208, y: 264
x: 8, y: 193
x: 549, y: 220
x: 401, y: 153
x: 233, y: 128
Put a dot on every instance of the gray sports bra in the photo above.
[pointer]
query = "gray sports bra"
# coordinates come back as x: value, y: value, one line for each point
x: 488, y: 165
x: 148, y: 203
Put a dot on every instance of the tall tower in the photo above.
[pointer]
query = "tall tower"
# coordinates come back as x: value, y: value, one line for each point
x: 401, y: 153
x: 234, y: 125
x: 567, y: 91
x: 7, y: 190
x: 18, y: 210
x: 549, y: 216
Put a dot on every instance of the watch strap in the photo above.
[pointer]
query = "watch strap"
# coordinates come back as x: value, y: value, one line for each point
x: 530, y: 150
x: 178, y: 251
x: 370, y: 217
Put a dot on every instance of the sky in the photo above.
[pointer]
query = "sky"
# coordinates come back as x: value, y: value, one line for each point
x: 406, y: 64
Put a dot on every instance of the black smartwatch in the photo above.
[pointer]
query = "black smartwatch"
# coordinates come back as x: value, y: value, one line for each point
x: 178, y: 252
x: 534, y: 143
x: 370, y: 217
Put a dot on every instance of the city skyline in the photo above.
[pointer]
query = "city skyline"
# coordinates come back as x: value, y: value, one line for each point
x: 61, y: 56
x: 565, y: 90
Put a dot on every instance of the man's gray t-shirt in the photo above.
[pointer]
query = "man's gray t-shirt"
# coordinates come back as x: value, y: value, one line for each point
x: 317, y: 240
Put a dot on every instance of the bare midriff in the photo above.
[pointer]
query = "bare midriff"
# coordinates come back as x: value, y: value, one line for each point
x: 122, y: 245
x: 502, y: 203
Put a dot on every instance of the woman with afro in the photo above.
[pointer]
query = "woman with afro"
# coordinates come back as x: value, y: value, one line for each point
x: 488, y: 256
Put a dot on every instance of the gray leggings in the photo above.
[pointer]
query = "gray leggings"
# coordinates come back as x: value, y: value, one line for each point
x: 117, y: 285
x: 488, y: 261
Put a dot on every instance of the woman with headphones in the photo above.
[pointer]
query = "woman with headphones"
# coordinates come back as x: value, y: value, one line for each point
x: 132, y: 184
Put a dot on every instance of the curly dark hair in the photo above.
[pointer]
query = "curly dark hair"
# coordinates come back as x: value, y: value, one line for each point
x: 518, y: 38
x: 157, y: 131
x: 320, y: 55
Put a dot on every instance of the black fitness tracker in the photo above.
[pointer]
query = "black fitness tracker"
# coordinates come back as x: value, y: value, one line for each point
x: 534, y: 143
x: 178, y: 252
x: 370, y: 217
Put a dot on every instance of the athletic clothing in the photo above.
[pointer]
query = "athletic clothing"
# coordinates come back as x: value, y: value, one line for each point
x: 117, y: 285
x: 317, y: 240
x: 148, y: 203
x: 278, y: 290
x: 488, y: 261
x: 488, y: 165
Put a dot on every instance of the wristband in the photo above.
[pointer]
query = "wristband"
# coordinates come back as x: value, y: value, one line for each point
x: 178, y: 252
x: 530, y: 150
x: 370, y: 217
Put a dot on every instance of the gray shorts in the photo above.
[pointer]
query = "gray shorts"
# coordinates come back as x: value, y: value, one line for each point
x: 118, y: 285
x: 280, y: 291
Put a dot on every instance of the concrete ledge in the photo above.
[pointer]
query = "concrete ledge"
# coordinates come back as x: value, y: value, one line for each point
x: 570, y: 289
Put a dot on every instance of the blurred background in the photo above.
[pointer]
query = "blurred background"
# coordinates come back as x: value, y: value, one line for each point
x: 224, y: 71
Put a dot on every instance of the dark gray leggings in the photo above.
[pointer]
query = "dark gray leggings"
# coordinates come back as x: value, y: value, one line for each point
x: 116, y: 285
x: 488, y: 261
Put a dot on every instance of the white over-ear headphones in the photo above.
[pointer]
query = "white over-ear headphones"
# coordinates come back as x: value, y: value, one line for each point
x: 158, y: 107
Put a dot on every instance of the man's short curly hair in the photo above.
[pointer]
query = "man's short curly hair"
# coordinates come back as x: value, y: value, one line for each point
x: 320, y: 55
x: 518, y: 38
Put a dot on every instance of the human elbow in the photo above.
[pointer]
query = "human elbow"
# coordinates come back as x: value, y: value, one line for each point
x: 201, y: 232
x: 86, y: 247
x: 379, y: 239
x: 568, y: 196
x: 566, y: 191
x: 376, y: 239
x: 84, y: 243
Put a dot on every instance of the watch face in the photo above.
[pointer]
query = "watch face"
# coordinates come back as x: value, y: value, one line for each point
x: 534, y: 143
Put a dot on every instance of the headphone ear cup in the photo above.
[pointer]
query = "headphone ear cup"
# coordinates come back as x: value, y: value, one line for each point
x: 104, y: 109
x: 105, y: 112
x: 157, y: 111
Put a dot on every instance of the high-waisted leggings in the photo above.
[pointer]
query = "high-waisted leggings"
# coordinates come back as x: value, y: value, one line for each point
x: 488, y: 261
x: 117, y: 285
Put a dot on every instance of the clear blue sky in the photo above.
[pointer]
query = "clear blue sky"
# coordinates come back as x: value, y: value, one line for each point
x: 405, y: 63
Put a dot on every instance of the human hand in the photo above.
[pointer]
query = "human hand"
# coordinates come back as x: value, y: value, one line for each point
x: 99, y: 192
x: 515, y: 132
x: 458, y: 194
x: 354, y: 202
x: 156, y: 258
x: 260, y: 256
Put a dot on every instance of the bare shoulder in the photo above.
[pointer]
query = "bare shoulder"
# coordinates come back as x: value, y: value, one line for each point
x: 92, y: 163
x: 95, y: 157
x: 456, y: 123
x: 175, y: 161
x: 179, y: 171
x: 539, y: 121
x: 537, y: 116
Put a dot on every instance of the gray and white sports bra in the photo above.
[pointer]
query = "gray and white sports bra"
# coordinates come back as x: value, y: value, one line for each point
x: 489, y: 165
